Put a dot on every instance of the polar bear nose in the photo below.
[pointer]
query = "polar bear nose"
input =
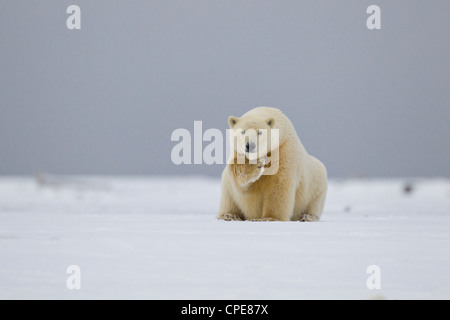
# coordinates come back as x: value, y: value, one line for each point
x: 250, y: 147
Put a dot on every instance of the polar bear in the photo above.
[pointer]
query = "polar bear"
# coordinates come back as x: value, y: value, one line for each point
x: 267, y: 178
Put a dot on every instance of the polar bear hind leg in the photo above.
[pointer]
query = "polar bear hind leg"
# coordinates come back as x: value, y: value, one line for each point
x: 314, y: 209
x: 228, y: 211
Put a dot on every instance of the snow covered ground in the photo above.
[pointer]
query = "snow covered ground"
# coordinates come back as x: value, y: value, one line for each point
x: 157, y: 238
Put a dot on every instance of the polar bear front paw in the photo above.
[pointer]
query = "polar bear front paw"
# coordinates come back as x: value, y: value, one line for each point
x: 247, y: 174
x: 264, y: 219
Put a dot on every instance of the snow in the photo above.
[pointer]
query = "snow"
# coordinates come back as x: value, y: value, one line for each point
x: 157, y: 238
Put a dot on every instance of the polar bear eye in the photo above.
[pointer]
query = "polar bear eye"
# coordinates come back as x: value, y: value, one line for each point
x: 259, y: 132
x: 243, y: 131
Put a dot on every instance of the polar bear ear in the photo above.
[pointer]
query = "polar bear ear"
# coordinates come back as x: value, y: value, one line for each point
x: 232, y: 121
x: 270, y: 122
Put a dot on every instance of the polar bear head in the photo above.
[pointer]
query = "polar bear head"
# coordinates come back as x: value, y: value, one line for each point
x: 253, y: 137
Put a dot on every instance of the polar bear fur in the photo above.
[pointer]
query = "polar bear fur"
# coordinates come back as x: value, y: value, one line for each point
x: 294, y: 190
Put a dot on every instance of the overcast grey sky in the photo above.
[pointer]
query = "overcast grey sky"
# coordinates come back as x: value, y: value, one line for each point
x: 105, y: 99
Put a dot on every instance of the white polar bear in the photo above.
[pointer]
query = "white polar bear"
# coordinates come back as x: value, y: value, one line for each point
x: 278, y: 179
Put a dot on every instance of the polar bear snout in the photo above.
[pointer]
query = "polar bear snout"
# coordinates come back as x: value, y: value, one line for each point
x: 250, y: 147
